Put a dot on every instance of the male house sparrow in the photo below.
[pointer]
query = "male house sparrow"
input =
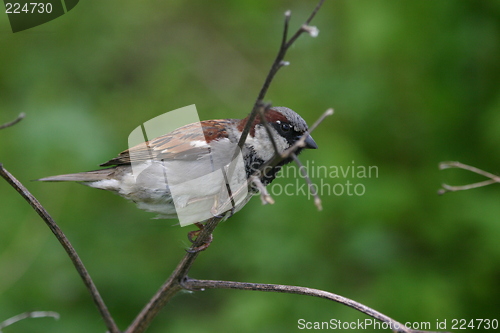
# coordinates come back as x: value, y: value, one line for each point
x: 187, y: 173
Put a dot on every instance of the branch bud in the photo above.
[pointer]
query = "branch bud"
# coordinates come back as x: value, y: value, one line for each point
x: 311, y: 30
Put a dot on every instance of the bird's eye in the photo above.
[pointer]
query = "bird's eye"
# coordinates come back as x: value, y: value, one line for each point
x: 285, y: 127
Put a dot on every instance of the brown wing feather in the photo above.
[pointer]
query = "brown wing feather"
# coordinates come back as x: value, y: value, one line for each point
x: 177, y: 144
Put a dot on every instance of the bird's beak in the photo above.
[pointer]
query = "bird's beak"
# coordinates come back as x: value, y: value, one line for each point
x: 310, y: 143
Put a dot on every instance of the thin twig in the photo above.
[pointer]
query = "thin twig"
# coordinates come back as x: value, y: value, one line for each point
x: 313, y: 31
x: 288, y: 15
x: 194, y: 284
x: 265, y: 197
x: 15, y: 121
x: 312, y: 189
x: 277, y: 64
x: 82, y: 271
x: 448, y: 165
x: 26, y: 315
x: 448, y: 188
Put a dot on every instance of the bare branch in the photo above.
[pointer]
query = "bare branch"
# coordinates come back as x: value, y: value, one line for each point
x: 329, y: 112
x: 110, y: 324
x: 448, y: 188
x: 15, y: 121
x: 288, y: 14
x: 314, y: 12
x: 201, y: 285
x: 303, y: 28
x: 277, y: 64
x: 26, y: 315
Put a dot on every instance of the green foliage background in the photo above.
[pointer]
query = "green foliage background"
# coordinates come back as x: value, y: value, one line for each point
x: 413, y: 83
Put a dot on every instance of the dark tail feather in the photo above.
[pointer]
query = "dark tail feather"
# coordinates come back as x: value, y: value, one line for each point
x: 89, y: 176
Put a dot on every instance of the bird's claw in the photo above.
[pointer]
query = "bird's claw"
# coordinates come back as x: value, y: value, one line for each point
x: 193, y: 235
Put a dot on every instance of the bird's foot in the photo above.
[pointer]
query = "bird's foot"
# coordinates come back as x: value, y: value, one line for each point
x: 193, y: 235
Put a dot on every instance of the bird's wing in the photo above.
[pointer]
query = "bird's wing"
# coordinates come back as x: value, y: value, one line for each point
x: 190, y: 142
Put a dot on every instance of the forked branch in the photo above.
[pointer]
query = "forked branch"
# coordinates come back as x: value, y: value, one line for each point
x: 278, y: 63
x: 448, y: 188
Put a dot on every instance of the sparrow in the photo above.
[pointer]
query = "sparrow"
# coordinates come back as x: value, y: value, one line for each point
x: 198, y: 171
